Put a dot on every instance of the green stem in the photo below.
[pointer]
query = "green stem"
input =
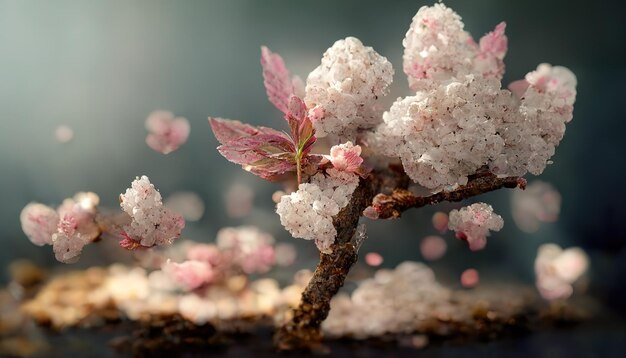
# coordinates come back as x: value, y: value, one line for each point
x: 299, y: 166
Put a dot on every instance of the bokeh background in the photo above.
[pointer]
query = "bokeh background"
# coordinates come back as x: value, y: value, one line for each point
x: 100, y: 67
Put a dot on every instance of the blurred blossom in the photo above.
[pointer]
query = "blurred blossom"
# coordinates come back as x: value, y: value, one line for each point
x: 63, y: 133
x: 374, y: 259
x: 186, y: 203
x: 238, y: 199
x: 470, y: 278
x: 277, y: 195
x: 286, y: 254
x: 433, y: 247
x: 557, y: 269
x: 540, y: 202
x: 440, y: 222
x: 166, y: 133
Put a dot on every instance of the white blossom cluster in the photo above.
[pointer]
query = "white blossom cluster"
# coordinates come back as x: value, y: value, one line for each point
x: 343, y: 90
x: 393, y: 301
x: 557, y: 269
x: 68, y: 229
x: 152, y: 223
x: 473, y: 223
x: 460, y: 118
x: 547, y: 97
x: 445, y: 134
x: 308, y: 212
x: 437, y: 48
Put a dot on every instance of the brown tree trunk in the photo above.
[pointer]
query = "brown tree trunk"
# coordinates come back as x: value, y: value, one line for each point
x: 303, y: 331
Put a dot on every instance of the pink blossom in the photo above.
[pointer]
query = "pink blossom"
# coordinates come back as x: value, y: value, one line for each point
x: 249, y: 248
x: 518, y: 87
x: 473, y: 223
x: 204, y: 252
x: 433, y: 247
x: 285, y: 254
x: 374, y: 259
x: 152, y: 224
x: 39, y: 222
x: 493, y: 47
x: 346, y: 157
x: 557, y: 269
x: 470, y: 278
x: 166, y: 133
x: 189, y: 274
x: 440, y: 222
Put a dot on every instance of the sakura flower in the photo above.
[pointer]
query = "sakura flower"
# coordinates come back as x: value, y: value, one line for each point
x: 189, y: 275
x: 152, y: 223
x: 493, y: 47
x: 343, y: 91
x: 438, y: 50
x: 250, y: 248
x: 433, y: 247
x: 346, y: 157
x: 286, y: 254
x: 557, y: 269
x: 39, y: 223
x: 308, y: 212
x: 187, y: 203
x: 470, y: 278
x: 239, y: 200
x: 166, y: 133
x: 539, y: 202
x: 460, y: 119
x: 63, y: 133
x: 440, y: 222
x: 473, y: 223
x: 204, y: 252
x: 373, y: 259
x: 68, y: 229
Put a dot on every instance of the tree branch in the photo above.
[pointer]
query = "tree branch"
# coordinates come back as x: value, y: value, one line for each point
x: 392, y: 206
x: 303, y: 330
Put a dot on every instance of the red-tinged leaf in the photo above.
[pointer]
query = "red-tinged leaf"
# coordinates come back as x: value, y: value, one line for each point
x: 297, y: 108
x: 276, y: 78
x: 306, y: 131
x: 269, y: 143
x: 226, y: 130
x: 271, y: 168
x: 238, y: 156
x: 248, y: 150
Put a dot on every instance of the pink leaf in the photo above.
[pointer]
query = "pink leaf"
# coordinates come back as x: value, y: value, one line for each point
x: 276, y: 78
x: 226, y: 130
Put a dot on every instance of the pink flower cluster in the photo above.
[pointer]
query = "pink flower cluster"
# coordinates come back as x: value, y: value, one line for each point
x: 68, y: 229
x: 557, y: 269
x: 151, y: 222
x: 145, y: 222
x: 473, y: 223
x: 239, y: 250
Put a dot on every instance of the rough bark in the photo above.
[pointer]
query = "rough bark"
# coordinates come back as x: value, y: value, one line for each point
x: 303, y: 330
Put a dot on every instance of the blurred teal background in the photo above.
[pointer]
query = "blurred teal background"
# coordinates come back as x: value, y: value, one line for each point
x: 102, y: 66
